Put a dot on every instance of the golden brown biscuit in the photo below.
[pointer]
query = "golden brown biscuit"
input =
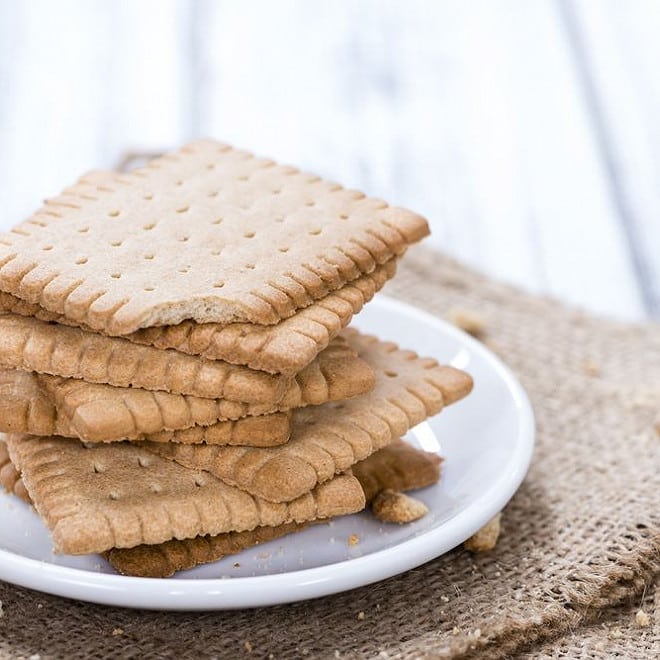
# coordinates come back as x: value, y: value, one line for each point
x: 328, y: 439
x: 286, y: 347
x: 414, y: 469
x: 208, y: 233
x: 94, y: 498
x: 44, y: 405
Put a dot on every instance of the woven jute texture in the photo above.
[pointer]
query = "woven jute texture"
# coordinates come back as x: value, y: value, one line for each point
x: 623, y: 631
x: 580, y: 540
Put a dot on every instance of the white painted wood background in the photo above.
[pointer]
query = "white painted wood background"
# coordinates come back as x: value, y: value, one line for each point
x: 527, y: 131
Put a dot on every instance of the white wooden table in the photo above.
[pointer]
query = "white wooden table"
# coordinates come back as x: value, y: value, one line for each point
x: 526, y: 131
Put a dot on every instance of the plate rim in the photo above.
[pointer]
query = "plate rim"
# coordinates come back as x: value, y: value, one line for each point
x: 206, y: 594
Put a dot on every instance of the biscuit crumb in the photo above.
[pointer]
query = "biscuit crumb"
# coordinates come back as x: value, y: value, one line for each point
x: 117, y: 632
x: 615, y: 633
x: 360, y: 616
x: 40, y: 606
x: 248, y: 646
x: 455, y: 630
x: 353, y: 539
x: 486, y: 538
x: 444, y: 599
x: 642, y: 619
x: 590, y: 367
x: 467, y: 320
x: 392, y: 506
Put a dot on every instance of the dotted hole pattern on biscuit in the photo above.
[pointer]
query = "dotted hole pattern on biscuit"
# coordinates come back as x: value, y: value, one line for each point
x: 283, y: 186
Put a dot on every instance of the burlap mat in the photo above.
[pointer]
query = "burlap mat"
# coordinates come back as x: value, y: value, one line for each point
x: 581, y: 536
x: 630, y: 630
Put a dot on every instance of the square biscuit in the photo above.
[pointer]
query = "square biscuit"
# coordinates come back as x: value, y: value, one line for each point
x: 398, y: 466
x: 28, y: 344
x: 97, y: 497
x: 208, y: 233
x: 329, y: 439
x: 43, y: 404
x: 284, y: 348
x: 35, y: 404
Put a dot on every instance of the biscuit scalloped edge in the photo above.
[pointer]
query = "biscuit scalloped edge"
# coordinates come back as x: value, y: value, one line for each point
x: 330, y: 439
x: 118, y: 312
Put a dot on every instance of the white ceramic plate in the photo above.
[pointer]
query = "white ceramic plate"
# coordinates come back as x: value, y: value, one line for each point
x: 486, y: 441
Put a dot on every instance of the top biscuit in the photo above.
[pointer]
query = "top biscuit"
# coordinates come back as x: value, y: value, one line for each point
x: 207, y: 233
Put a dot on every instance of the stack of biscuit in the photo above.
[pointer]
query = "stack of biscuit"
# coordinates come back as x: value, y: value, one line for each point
x: 177, y: 377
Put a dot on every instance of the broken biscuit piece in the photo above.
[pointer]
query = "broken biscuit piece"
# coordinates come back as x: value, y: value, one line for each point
x: 468, y: 320
x: 392, y: 507
x: 486, y: 538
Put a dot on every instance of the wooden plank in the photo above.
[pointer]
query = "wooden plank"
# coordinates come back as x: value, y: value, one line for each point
x: 81, y: 82
x: 619, y: 45
x: 471, y: 114
x: 49, y: 101
x: 147, y: 76
x: 562, y: 179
